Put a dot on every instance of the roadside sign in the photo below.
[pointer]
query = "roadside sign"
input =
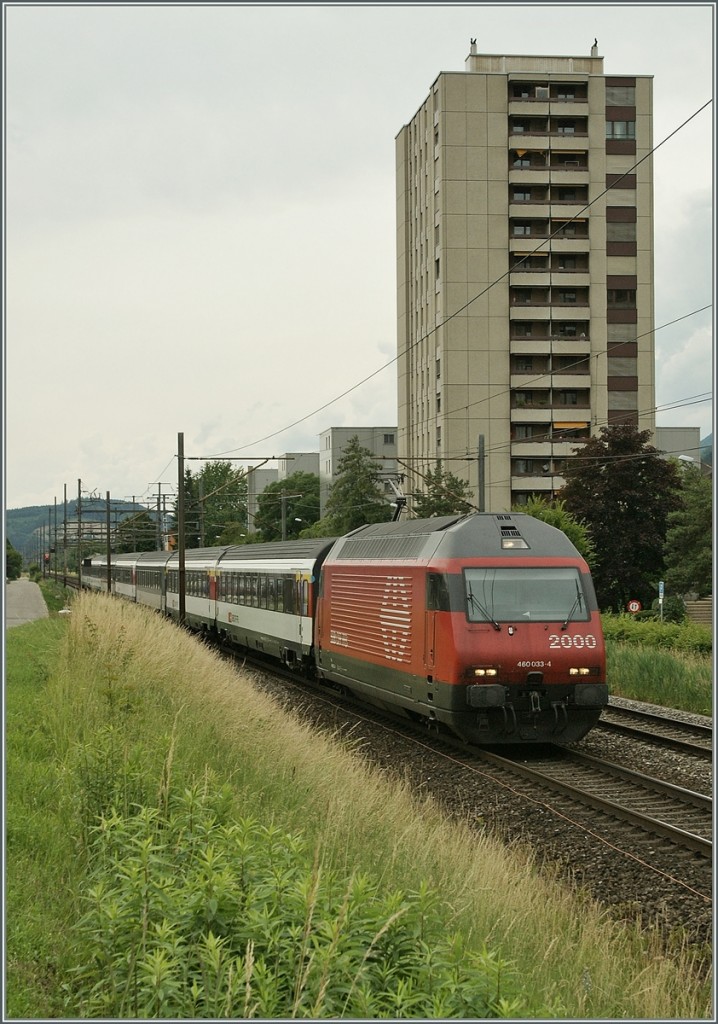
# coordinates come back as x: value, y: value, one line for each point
x: 634, y: 606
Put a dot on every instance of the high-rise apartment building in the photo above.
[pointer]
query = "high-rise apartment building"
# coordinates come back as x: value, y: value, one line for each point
x: 525, y: 269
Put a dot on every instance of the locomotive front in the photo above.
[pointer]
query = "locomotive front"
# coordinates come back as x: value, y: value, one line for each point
x: 521, y: 647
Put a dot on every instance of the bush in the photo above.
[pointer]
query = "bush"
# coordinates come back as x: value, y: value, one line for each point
x: 192, y: 914
x: 688, y: 638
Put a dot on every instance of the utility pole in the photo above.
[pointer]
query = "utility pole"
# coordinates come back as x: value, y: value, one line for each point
x: 181, y: 527
x: 64, y: 538
x: 79, y: 534
x: 160, y: 508
x: 482, y: 475
x: 109, y: 545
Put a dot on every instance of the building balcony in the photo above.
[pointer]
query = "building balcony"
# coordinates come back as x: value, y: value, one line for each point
x: 535, y: 412
x: 531, y: 482
x: 529, y: 278
x: 530, y: 312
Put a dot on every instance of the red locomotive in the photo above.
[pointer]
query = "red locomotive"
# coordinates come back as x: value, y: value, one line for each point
x: 486, y: 623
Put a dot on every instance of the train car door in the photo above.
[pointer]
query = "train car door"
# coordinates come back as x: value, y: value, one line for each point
x: 437, y: 599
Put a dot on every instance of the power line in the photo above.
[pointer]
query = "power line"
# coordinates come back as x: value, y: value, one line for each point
x: 475, y: 297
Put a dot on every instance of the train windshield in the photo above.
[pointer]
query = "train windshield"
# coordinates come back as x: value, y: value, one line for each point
x: 540, y: 594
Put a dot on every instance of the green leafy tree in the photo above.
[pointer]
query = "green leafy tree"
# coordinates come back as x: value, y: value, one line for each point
x: 299, y: 494
x: 555, y: 514
x: 136, y: 532
x: 215, y: 502
x: 623, y: 492
x: 356, y: 498
x: 445, y: 494
x: 689, y: 541
x: 13, y: 562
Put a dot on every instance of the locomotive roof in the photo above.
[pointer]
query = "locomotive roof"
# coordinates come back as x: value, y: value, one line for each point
x: 481, y: 534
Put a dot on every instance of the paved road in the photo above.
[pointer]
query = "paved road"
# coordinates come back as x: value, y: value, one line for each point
x: 23, y: 603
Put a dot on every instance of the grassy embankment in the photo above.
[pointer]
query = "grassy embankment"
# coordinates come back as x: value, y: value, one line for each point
x: 270, y: 872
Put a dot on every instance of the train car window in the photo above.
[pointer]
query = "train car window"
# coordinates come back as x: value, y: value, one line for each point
x: 437, y: 593
x: 305, y: 597
x: 241, y: 587
x: 525, y: 594
x: 289, y: 595
x: 271, y: 594
x: 262, y: 591
x: 279, y: 590
x: 254, y: 584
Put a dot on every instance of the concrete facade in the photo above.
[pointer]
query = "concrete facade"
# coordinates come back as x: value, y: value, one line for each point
x: 525, y: 288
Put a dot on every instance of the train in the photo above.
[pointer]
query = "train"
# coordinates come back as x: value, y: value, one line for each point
x: 483, y: 624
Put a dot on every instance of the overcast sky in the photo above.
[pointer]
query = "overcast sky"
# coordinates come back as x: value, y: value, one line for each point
x: 200, y: 231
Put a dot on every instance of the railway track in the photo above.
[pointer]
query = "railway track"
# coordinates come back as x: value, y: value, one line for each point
x: 688, y: 737
x: 675, y: 814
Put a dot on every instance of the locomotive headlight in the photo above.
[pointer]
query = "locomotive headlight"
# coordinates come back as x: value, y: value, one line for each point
x: 579, y: 671
x: 485, y: 672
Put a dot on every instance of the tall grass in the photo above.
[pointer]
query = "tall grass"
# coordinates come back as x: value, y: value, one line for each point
x: 138, y: 713
x: 660, y: 677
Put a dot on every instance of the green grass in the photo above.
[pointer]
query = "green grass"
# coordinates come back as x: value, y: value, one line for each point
x: 116, y: 712
x: 41, y: 877
x: 659, y: 677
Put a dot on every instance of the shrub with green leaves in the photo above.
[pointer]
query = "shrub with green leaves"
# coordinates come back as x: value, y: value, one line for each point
x: 691, y: 638
x: 195, y: 914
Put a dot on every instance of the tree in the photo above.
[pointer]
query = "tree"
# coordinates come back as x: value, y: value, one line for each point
x: 299, y: 495
x: 13, y: 562
x: 689, y: 541
x: 445, y: 495
x: 356, y: 498
x: 215, y: 501
x: 136, y: 532
x: 555, y: 514
x: 622, y: 491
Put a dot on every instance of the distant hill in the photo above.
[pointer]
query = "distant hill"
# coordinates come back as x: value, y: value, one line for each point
x: 22, y: 523
x: 707, y: 450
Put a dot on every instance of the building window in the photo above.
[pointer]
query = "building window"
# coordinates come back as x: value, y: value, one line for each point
x: 521, y: 296
x: 541, y: 92
x: 617, y: 333
x: 566, y: 127
x: 621, y: 298
x: 524, y: 364
x: 620, y: 96
x: 521, y: 195
x: 565, y: 93
x: 623, y: 400
x: 522, y: 329
x: 522, y: 161
x: 620, y: 129
x: 568, y: 398
x: 620, y: 231
x: 566, y: 298
x: 388, y: 439
x: 521, y: 229
x: 622, y: 366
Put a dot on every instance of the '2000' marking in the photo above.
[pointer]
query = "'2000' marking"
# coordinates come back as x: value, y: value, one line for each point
x: 589, y: 640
